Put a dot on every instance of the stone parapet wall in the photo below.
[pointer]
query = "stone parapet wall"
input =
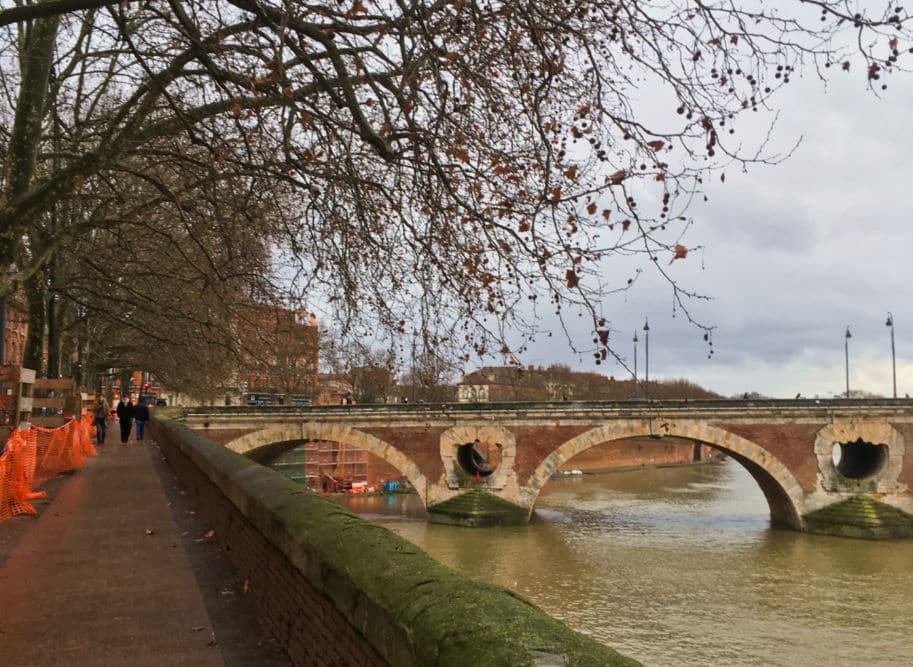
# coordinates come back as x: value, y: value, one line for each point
x: 335, y: 589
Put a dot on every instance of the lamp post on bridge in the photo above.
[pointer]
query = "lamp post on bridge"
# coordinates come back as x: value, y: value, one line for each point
x: 635, y: 363
x: 413, y: 367
x: 647, y: 359
x: 890, y: 324
x: 846, y: 353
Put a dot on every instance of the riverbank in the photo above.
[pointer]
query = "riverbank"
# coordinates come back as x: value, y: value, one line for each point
x: 634, y: 453
x: 574, y: 472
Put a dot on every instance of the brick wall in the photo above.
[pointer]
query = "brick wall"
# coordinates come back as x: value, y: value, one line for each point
x: 632, y: 453
x: 300, y: 618
x: 791, y: 444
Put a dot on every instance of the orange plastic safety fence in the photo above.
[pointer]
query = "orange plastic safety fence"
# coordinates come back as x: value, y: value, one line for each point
x: 35, y: 455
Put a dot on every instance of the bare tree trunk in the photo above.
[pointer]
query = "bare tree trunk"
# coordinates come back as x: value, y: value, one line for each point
x: 53, y: 313
x: 25, y: 136
x: 35, y: 293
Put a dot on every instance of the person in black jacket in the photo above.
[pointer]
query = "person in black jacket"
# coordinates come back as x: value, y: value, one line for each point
x: 141, y: 415
x: 101, y: 421
x: 125, y: 416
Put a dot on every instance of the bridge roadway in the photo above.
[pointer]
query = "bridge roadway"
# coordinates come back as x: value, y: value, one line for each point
x: 787, y: 446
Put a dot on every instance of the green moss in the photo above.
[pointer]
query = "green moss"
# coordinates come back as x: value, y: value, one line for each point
x: 478, y: 508
x: 861, y: 516
x: 412, y: 609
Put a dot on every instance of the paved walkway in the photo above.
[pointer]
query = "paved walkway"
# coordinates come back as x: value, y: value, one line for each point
x: 103, y: 576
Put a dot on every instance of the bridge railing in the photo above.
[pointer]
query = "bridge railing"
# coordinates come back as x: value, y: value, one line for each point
x: 631, y: 407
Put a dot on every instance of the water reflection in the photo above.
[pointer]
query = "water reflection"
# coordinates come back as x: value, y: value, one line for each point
x: 678, y: 566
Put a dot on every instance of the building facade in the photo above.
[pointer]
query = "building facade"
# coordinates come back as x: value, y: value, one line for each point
x: 280, y: 354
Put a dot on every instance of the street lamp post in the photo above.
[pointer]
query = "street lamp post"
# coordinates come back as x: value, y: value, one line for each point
x: 846, y: 352
x: 890, y: 324
x: 413, y: 368
x: 635, y: 363
x: 647, y: 359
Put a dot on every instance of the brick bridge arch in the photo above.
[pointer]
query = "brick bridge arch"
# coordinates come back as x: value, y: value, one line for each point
x: 293, y: 434
x: 782, y: 490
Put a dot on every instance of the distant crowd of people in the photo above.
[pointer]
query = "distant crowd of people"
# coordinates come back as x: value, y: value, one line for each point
x: 126, y: 413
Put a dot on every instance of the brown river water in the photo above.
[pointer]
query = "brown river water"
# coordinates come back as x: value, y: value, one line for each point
x: 679, y: 566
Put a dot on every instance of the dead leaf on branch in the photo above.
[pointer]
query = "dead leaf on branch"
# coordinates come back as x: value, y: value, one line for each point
x: 571, y: 278
x: 679, y: 252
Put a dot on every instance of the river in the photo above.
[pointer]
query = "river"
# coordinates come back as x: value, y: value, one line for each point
x: 679, y: 566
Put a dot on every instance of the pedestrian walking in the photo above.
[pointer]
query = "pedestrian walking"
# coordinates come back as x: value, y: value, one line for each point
x: 141, y: 416
x: 125, y: 416
x: 101, y: 421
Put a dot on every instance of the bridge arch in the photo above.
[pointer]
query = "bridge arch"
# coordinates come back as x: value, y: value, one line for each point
x: 293, y: 433
x: 784, y: 494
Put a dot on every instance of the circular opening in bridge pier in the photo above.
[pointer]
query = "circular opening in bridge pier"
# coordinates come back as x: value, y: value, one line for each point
x: 476, y: 458
x: 858, y: 460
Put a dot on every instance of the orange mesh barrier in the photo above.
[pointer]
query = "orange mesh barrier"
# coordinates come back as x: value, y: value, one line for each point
x: 35, y: 455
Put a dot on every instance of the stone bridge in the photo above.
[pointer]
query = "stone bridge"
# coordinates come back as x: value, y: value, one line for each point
x: 830, y: 466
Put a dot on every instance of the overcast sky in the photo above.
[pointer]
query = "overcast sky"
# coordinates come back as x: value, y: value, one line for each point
x: 794, y: 254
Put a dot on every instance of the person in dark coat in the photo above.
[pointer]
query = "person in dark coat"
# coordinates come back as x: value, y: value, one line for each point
x: 141, y: 415
x: 125, y: 416
x: 101, y: 421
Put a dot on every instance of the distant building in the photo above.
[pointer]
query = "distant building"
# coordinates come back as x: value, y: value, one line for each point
x: 512, y: 383
x: 280, y: 351
x: 332, y: 389
x: 560, y: 383
x: 142, y: 384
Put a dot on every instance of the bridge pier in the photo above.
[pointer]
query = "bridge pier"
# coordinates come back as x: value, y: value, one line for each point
x: 860, y: 487
x: 478, y: 509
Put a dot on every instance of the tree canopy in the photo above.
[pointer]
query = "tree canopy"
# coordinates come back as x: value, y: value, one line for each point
x: 446, y: 167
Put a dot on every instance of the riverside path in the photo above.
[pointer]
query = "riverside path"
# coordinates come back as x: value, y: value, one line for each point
x: 117, y: 570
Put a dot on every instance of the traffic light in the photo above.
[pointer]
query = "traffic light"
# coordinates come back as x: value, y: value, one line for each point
x: 145, y: 385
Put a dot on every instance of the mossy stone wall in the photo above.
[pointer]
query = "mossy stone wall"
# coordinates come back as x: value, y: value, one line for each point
x: 312, y: 564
